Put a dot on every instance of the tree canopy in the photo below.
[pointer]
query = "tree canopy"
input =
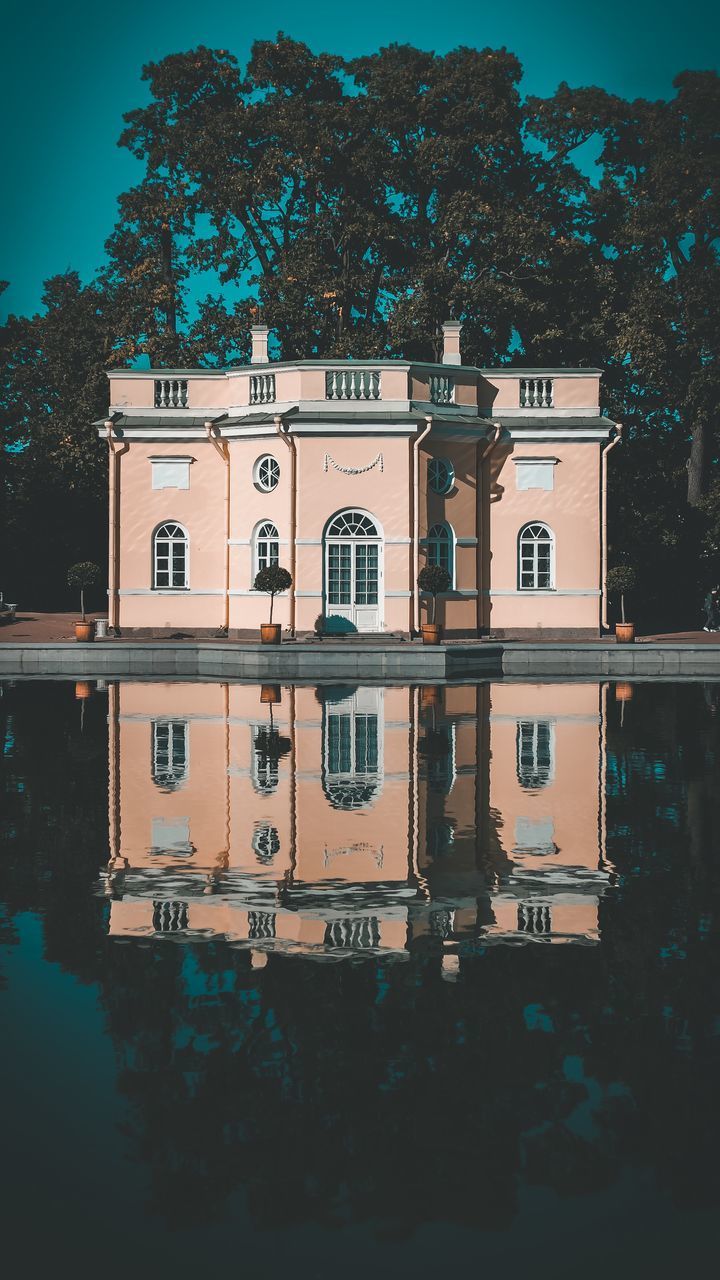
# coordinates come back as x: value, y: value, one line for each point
x: 356, y: 204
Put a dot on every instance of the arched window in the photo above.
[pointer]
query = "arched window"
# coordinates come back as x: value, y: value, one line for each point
x: 170, y: 557
x: 352, y: 524
x: 267, y: 546
x: 440, y: 548
x: 441, y: 475
x: 266, y: 473
x: 536, y: 558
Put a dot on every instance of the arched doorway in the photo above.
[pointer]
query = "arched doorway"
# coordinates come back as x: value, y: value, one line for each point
x: 353, y: 573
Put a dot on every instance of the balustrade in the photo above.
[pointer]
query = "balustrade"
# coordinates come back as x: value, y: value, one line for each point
x: 536, y: 393
x: 352, y: 384
x: 534, y: 917
x: 355, y: 934
x: 170, y: 917
x: 262, y: 388
x: 171, y: 393
x: 442, y: 389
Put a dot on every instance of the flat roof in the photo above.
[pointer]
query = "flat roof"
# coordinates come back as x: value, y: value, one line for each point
x: 378, y: 362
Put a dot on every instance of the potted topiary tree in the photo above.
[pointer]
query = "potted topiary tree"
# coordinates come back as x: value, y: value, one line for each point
x: 621, y: 581
x: 79, y: 578
x: 433, y: 579
x: 271, y: 580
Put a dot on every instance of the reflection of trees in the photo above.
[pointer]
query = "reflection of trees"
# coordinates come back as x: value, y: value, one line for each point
x: 378, y: 1091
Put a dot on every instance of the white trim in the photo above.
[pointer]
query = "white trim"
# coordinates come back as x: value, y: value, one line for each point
x: 543, y: 591
x: 450, y: 593
x: 405, y: 595
x: 398, y: 542
x: 169, y: 591
x: 466, y: 542
x: 530, y: 435
x: 250, y: 591
x: 312, y: 595
x: 308, y: 542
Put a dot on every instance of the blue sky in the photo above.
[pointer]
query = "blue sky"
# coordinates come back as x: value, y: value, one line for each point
x: 70, y: 70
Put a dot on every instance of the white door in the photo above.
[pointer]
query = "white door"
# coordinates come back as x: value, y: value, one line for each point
x: 353, y: 573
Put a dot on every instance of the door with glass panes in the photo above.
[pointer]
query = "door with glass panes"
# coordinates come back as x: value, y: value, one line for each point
x: 353, y: 573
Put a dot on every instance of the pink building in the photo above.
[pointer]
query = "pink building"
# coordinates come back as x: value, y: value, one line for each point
x: 353, y: 475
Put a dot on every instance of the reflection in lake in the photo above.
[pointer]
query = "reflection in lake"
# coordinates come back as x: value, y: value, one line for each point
x: 362, y: 979
x: 333, y: 821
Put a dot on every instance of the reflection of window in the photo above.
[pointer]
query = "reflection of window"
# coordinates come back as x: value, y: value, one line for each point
x: 171, y: 836
x: 265, y: 842
x: 170, y: 557
x: 169, y: 753
x: 534, y: 835
x: 440, y: 548
x: 352, y: 759
x: 265, y: 761
x: 267, y: 546
x: 438, y: 748
x: 535, y: 745
x: 261, y: 924
x: 536, y: 548
x: 441, y: 837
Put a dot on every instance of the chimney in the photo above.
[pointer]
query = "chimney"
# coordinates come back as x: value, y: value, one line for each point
x: 451, y: 342
x: 259, y: 339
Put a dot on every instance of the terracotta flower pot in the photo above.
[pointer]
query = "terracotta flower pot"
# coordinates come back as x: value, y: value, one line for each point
x: 625, y: 632
x: 85, y: 631
x: 431, y: 632
x: 623, y: 692
x: 430, y: 696
x: 82, y: 689
x: 270, y: 693
x: 270, y: 632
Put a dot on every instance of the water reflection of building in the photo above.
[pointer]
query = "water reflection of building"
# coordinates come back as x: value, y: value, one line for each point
x: 338, y: 820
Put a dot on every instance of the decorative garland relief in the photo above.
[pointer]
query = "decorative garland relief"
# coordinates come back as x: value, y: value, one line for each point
x: 352, y: 471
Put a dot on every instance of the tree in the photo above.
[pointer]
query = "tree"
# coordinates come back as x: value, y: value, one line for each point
x: 434, y: 579
x: 82, y: 576
x: 620, y: 581
x: 271, y: 580
x: 54, y: 468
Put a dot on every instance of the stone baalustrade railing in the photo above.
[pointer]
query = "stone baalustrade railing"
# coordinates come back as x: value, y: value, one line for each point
x: 442, y: 389
x: 171, y: 393
x: 352, y: 384
x: 536, y: 393
x: 262, y: 388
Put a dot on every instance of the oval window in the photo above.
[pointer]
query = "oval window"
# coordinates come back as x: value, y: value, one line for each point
x: 440, y: 475
x: 266, y: 473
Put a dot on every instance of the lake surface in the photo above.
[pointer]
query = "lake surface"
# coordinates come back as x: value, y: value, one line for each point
x: 360, y: 981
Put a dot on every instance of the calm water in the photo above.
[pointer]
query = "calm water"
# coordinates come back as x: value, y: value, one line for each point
x: 360, y: 981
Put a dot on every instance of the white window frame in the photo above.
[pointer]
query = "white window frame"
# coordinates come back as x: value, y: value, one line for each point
x: 262, y: 536
x: 267, y: 463
x: 536, y: 543
x: 166, y: 524
x: 435, y: 541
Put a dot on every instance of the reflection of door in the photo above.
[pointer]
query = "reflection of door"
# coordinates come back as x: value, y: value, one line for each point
x: 352, y: 749
x: 353, y: 572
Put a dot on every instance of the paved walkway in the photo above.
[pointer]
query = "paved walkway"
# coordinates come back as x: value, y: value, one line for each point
x: 47, y: 628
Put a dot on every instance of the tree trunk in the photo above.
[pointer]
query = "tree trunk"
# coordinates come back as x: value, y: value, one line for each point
x: 82, y: 604
x: 698, y: 464
x: 272, y: 601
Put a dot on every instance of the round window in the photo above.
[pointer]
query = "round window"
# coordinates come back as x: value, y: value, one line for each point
x: 266, y: 473
x: 440, y: 475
